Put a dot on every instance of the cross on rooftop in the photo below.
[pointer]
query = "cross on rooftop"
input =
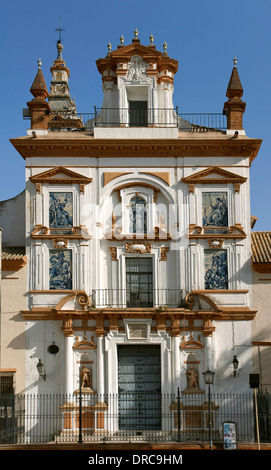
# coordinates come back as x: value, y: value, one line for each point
x: 60, y: 29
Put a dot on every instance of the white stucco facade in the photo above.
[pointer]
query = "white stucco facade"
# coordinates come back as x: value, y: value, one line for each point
x: 96, y: 284
x: 94, y: 269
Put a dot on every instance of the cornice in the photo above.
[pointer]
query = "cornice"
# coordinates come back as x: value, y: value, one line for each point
x: 66, y: 146
x: 237, y: 314
x: 223, y: 314
x: 47, y: 313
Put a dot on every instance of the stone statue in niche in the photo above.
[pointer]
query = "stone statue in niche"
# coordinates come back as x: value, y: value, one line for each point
x: 192, y: 378
x: 138, y: 215
x: 86, y: 377
x: 192, y: 374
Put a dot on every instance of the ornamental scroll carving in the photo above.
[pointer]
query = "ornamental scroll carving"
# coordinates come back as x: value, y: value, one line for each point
x: 142, y: 247
x: 137, y: 69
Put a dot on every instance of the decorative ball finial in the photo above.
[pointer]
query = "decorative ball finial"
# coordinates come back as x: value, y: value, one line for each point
x: 109, y: 47
x: 39, y: 63
x: 136, y: 33
x: 235, y: 62
x: 59, y: 46
x: 122, y: 40
x: 151, y: 39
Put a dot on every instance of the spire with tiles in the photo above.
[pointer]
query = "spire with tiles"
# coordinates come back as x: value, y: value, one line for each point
x: 234, y: 108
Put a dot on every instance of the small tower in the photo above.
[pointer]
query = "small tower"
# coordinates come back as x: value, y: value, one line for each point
x: 235, y: 107
x: 39, y: 107
x: 59, y: 96
x: 137, y: 85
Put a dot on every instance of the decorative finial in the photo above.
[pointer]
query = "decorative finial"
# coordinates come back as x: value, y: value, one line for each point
x: 59, y: 50
x: 136, y: 33
x: 165, y: 48
x: 122, y: 40
x: 235, y: 62
x: 109, y: 47
x: 39, y: 63
x: 151, y: 39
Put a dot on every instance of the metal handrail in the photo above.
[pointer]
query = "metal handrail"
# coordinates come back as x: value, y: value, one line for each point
x: 120, y: 117
x: 127, y: 298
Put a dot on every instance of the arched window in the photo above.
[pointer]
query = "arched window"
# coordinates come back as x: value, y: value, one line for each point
x: 137, y: 215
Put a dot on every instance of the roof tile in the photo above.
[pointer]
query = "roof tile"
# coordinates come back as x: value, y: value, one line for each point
x: 261, y: 247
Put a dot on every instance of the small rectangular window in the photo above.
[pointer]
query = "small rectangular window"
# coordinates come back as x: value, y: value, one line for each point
x: 6, y: 382
x: 139, y: 282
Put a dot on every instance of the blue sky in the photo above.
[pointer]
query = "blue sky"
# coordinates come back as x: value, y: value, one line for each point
x: 204, y: 36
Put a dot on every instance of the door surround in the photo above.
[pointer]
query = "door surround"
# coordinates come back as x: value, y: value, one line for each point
x: 115, y: 338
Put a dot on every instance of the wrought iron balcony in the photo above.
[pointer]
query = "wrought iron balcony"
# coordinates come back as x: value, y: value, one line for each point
x: 124, y: 117
x: 158, y: 117
x: 124, y: 298
x: 141, y: 117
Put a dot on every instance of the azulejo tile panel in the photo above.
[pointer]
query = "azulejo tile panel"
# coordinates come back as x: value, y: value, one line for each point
x: 215, y: 269
x: 60, y: 209
x: 60, y: 267
x: 215, y: 209
x: 138, y: 215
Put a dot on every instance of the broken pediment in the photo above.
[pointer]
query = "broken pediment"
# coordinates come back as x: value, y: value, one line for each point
x: 84, y: 343
x: 201, y: 302
x: 214, y: 175
x: 76, y: 301
x: 118, y: 59
x: 191, y: 343
x: 60, y: 175
x: 135, y: 48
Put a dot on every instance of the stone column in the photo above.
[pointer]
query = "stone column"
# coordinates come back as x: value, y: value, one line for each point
x: 100, y: 368
x: 176, y: 364
x: 165, y: 118
x: 68, y: 359
x: 100, y: 332
x: 68, y: 366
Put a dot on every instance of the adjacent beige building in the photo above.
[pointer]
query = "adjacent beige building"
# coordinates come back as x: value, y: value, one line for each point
x: 13, y: 295
x: 261, y: 262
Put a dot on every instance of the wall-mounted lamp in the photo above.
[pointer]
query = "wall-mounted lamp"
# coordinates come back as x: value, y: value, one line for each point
x: 235, y: 364
x: 41, y: 369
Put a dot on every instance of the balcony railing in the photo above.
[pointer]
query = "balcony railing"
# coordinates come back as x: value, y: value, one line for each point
x: 151, y: 117
x: 125, y: 298
x: 121, y: 117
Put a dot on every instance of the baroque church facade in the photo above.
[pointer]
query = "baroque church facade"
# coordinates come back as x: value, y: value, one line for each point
x: 137, y: 235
